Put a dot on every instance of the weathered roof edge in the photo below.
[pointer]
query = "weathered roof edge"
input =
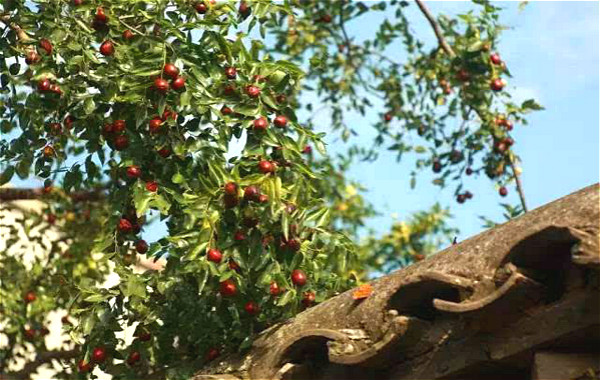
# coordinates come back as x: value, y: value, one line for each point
x: 411, y: 310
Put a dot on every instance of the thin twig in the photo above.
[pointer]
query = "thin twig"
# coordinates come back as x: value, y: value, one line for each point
x: 130, y: 27
x: 21, y: 34
x: 16, y: 194
x: 43, y: 358
x: 436, y: 29
x: 517, y: 178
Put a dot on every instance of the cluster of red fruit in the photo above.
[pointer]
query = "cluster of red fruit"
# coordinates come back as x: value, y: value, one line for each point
x: 505, y: 123
x: 162, y: 86
x: 261, y: 124
x: 129, y: 224
x: 45, y: 86
x: 503, y: 144
x: 30, y: 333
x: 115, y: 133
x: 99, y: 355
x: 461, y: 198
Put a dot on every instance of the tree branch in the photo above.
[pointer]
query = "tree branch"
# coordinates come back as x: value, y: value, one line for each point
x: 21, y: 34
x: 517, y: 178
x: 436, y: 29
x: 40, y: 359
x: 15, y: 194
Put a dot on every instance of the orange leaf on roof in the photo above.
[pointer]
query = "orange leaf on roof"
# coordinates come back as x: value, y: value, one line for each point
x: 362, y: 292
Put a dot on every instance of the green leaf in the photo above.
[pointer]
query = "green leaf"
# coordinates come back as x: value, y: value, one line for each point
x: 135, y: 287
x: 89, y: 106
x: 531, y: 104
x: 287, y: 297
x: 7, y: 174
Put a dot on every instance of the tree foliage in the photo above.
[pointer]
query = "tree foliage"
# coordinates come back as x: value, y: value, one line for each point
x: 186, y: 112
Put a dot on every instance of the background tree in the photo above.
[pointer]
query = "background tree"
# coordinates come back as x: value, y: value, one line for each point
x: 128, y: 108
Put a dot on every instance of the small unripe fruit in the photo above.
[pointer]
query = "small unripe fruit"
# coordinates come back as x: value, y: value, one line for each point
x: 178, y: 83
x: 495, y: 58
x: 151, y: 186
x: 119, y: 126
x: 171, y: 70
x: 387, y: 117
x: 227, y: 288
x: 30, y: 297
x: 497, y: 84
x: 308, y: 298
x: 251, y: 193
x: 239, y: 236
x: 99, y: 354
x: 107, y: 48
x: 51, y: 218
x: 46, y: 46
x: 253, y: 91
x: 231, y: 188
x: 29, y: 333
x: 233, y: 266
x: 161, y: 85
x: 230, y: 72
x: 128, y: 35
x: 261, y: 124
x: 230, y: 201
x: 133, y: 358
x: 155, y: 125
x: 214, y: 255
x: 82, y: 366
x: 244, y: 9
x: 121, y: 142
x: 141, y: 246
x: 134, y: 171
x: 101, y: 16
x: 298, y: 277
x: 48, y: 151
x: 144, y: 336
x: 43, y: 85
x: 212, y: 354
x: 281, y: 98
x: 280, y: 121
x: 201, y: 8
x: 503, y: 191
x: 463, y: 75
x: 274, y: 289
x: 251, y: 308
x: 229, y: 90
x: 266, y: 167
x: 55, y: 128
x: 164, y: 152
x: 124, y: 226
x: 293, y: 245
x: 32, y: 57
x: 226, y: 110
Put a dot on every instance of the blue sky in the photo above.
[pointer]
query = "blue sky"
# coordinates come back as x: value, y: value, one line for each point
x: 552, y: 52
x: 551, y: 49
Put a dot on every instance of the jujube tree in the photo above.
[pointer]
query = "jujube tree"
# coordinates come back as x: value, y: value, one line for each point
x: 185, y: 111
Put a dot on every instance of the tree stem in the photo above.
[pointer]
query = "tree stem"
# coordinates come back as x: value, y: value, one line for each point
x: 436, y: 29
x: 517, y: 178
x: 16, y: 194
